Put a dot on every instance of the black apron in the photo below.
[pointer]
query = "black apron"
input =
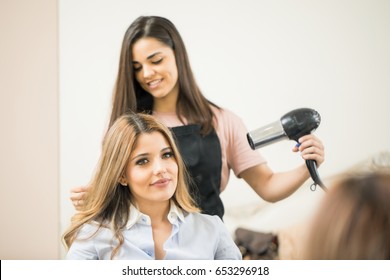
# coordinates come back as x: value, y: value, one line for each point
x: 203, y: 159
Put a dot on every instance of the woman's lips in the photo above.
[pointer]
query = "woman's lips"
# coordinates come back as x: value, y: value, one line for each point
x: 154, y: 84
x: 161, y: 182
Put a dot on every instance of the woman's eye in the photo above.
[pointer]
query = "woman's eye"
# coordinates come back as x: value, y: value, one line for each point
x: 158, y: 61
x: 141, y: 161
x: 136, y: 66
x: 168, y: 155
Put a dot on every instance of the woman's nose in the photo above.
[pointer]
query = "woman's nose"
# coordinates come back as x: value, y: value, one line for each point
x: 148, y: 71
x: 159, y: 167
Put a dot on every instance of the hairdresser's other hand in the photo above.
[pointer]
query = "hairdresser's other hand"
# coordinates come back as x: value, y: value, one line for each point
x: 77, y: 196
x: 311, y: 148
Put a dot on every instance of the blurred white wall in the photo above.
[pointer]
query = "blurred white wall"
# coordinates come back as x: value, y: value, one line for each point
x: 258, y: 58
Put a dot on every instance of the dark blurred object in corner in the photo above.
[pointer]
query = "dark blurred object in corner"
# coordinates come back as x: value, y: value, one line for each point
x: 256, y: 245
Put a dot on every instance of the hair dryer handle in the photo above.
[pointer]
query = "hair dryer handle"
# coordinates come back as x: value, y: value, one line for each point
x: 312, y: 166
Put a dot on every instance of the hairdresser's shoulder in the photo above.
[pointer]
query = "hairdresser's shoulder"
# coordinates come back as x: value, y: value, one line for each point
x: 225, y: 114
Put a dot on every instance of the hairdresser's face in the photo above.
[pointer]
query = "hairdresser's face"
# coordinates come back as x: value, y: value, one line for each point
x: 152, y: 170
x: 155, y: 68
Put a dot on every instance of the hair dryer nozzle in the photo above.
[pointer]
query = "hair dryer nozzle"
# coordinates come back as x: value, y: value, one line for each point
x: 266, y: 135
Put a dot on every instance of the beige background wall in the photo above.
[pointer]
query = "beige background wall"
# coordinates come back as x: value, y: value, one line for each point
x: 29, y: 154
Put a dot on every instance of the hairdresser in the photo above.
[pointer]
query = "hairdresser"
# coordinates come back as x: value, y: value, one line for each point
x: 155, y: 76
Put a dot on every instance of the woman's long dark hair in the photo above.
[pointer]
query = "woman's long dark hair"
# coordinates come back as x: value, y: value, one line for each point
x: 128, y: 94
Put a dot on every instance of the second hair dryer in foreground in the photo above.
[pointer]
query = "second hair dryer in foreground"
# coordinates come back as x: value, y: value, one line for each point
x: 292, y: 125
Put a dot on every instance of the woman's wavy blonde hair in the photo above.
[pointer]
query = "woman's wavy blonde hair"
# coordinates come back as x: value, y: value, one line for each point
x: 108, y: 202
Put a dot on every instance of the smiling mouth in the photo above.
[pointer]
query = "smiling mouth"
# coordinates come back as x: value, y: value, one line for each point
x: 154, y: 83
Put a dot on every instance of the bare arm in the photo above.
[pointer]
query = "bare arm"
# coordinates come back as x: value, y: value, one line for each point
x: 272, y: 186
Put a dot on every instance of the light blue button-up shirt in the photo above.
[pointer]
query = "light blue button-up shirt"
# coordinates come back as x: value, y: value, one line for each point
x: 194, y: 236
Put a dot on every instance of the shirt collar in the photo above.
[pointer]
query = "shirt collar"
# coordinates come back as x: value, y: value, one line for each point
x: 175, y: 215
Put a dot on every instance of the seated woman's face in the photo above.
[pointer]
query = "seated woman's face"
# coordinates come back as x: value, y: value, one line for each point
x: 152, y: 171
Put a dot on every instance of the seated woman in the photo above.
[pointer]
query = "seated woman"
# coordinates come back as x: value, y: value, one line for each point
x: 139, y: 205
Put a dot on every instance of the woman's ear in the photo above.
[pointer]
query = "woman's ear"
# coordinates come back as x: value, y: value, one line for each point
x: 123, y: 181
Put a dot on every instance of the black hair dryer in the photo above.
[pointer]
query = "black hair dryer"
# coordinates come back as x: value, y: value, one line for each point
x: 293, y: 125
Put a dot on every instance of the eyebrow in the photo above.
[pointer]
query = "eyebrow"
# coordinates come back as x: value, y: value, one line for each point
x: 146, y: 154
x: 149, y: 56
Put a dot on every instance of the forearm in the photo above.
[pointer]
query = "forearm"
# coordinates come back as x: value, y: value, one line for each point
x: 283, y: 184
x: 273, y: 187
